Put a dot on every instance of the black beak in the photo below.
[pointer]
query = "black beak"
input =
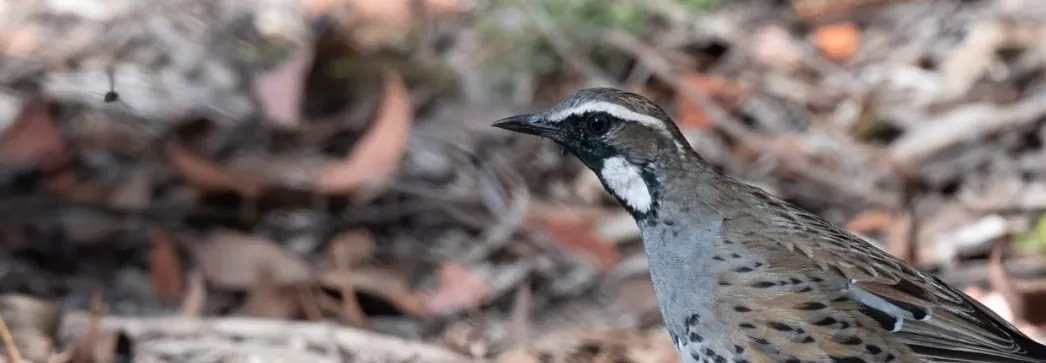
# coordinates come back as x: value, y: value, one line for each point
x: 532, y: 124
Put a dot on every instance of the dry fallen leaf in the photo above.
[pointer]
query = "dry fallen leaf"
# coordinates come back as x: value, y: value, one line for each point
x: 837, y: 42
x: 773, y: 46
x: 578, y: 236
x: 268, y: 300
x: 376, y: 156
x: 459, y: 289
x: 165, y: 267
x: 346, y: 250
x: 719, y: 89
x: 34, y: 139
x: 232, y: 260
x: 135, y: 192
x: 33, y: 324
x: 352, y: 247
x: 207, y: 175
x: 386, y: 284
x: 280, y: 90
x: 1004, y: 284
x: 871, y: 221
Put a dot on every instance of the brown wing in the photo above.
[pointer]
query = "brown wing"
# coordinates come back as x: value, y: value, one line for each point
x: 935, y: 321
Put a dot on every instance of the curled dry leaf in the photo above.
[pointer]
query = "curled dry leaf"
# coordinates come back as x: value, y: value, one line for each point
x: 232, y: 260
x: 34, y: 139
x: 377, y: 154
x: 837, y: 42
x: 208, y: 175
x: 165, y: 267
x: 459, y: 289
x: 280, y: 90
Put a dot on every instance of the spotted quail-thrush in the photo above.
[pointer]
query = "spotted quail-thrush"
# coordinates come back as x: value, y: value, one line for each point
x: 742, y: 276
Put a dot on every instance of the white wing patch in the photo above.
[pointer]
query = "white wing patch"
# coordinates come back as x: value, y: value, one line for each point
x: 625, y: 181
x: 613, y: 109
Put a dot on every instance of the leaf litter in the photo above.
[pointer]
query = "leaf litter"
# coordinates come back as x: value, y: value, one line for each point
x: 327, y: 170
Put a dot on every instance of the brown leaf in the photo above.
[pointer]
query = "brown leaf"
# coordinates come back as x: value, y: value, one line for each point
x: 388, y: 285
x: 309, y: 304
x: 837, y: 42
x: 719, y: 89
x: 1004, y: 283
x: 165, y: 267
x: 577, y: 236
x: 900, y: 239
x: 232, y: 260
x: 67, y: 184
x: 268, y: 300
x: 871, y: 221
x: 207, y: 175
x: 377, y: 154
x: 280, y: 90
x: 34, y: 139
x: 346, y: 250
x: 135, y: 192
x: 352, y: 247
x: 459, y: 289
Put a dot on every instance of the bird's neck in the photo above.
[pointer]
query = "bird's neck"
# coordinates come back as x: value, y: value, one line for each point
x: 685, y: 189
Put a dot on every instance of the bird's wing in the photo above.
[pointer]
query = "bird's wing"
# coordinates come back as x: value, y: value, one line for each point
x: 935, y: 321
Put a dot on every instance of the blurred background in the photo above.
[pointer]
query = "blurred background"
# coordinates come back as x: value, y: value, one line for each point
x: 317, y: 181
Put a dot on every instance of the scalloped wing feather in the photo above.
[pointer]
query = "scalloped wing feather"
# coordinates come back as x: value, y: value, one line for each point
x: 937, y: 322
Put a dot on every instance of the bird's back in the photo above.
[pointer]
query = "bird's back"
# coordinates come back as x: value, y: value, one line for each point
x: 768, y: 282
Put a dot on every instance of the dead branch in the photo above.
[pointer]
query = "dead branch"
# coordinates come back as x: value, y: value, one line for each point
x: 362, y: 343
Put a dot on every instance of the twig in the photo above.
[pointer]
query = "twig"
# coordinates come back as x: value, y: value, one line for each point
x: 353, y: 340
x: 733, y: 127
x: 963, y: 124
x: 554, y: 36
x: 9, y: 342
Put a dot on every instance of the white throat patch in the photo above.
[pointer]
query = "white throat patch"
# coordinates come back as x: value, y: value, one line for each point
x: 625, y: 181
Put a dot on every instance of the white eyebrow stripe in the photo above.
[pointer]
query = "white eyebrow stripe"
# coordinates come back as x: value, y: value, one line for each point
x: 613, y: 109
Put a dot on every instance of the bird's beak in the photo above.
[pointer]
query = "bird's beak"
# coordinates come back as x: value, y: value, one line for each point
x: 532, y: 124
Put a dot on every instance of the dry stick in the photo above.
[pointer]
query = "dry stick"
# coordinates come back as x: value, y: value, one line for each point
x: 663, y: 70
x: 351, y: 339
x: 9, y: 341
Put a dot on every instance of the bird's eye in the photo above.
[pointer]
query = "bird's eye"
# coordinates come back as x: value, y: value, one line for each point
x: 597, y: 124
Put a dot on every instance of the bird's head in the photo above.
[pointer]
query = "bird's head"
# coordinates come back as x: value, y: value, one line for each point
x: 626, y: 139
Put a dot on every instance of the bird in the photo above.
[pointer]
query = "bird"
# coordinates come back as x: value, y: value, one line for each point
x: 743, y: 276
